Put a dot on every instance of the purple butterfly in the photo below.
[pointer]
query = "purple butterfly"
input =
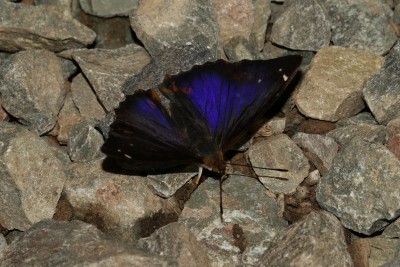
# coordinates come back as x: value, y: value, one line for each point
x: 209, y: 110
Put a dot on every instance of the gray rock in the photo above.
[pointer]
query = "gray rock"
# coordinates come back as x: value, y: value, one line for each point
x: 68, y: 68
x: 238, y: 48
x: 166, y: 185
x: 361, y: 24
x: 246, y: 19
x: 56, y: 31
x: 317, y: 240
x: 383, y: 250
x: 84, y: 142
x: 113, y: 33
x: 176, y: 242
x: 107, y: 70
x: 332, y: 87
x: 372, y: 133
x: 31, y: 175
x: 279, y: 157
x: 392, y: 230
x: 85, y: 99
x: 75, y: 243
x: 396, y: 14
x: 360, y: 118
x: 320, y: 150
x: 162, y: 25
x: 3, y: 244
x: 107, y: 9
x: 171, y: 61
x: 120, y: 205
x: 32, y: 88
x: 381, y: 91
x: 67, y: 118
x: 244, y: 233
x: 361, y: 188
x: 304, y: 25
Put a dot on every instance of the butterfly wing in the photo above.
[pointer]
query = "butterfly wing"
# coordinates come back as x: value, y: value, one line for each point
x: 230, y: 97
x: 144, y: 138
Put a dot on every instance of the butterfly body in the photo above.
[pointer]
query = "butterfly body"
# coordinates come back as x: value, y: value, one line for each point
x: 206, y: 112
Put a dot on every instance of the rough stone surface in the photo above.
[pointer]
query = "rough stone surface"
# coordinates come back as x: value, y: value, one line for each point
x: 363, y: 187
x: 392, y: 230
x: 279, y: 153
x: 119, y: 205
x: 160, y: 25
x: 320, y: 150
x: 317, y: 240
x: 372, y: 133
x: 107, y: 70
x: 3, y: 244
x: 67, y: 118
x: 107, y: 9
x: 332, y: 87
x: 360, y: 118
x: 382, y: 91
x: 56, y: 31
x: 68, y: 68
x: 304, y: 25
x: 238, y: 48
x: 166, y: 185
x: 84, y: 142
x: 177, y: 242
x: 32, y: 88
x: 250, y: 220
x: 383, y: 250
x: 31, y: 175
x: 361, y: 24
x: 85, y: 99
x: 75, y: 243
x: 247, y: 19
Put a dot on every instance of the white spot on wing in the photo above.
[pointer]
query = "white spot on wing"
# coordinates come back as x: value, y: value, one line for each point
x: 285, y: 77
x: 259, y: 80
x: 127, y: 156
x: 280, y: 70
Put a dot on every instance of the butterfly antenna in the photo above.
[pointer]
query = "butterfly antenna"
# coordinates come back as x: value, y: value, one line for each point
x: 262, y: 168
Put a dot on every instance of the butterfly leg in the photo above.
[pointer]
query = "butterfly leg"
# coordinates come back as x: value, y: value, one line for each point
x: 197, y: 180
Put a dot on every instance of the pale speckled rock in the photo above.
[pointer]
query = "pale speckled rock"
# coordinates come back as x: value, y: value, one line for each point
x: 85, y: 99
x: 56, y: 31
x: 317, y: 240
x: 360, y: 118
x: 67, y: 118
x: 279, y: 152
x: 107, y: 70
x: 84, y: 142
x: 166, y: 185
x: 31, y: 175
x: 362, y: 188
x: 245, y: 232
x: 392, y: 230
x: 320, y: 150
x: 382, y: 91
x: 3, y: 244
x: 122, y: 206
x: 247, y: 19
x: 32, y: 88
x: 75, y: 243
x: 361, y: 24
x: 332, y: 87
x: 383, y: 250
x: 68, y: 68
x: 372, y: 133
x: 238, y: 48
x: 161, y: 25
x: 177, y: 242
x: 304, y: 25
x: 107, y: 9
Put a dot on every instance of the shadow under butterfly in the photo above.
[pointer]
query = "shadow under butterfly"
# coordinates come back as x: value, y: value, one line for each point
x: 208, y: 111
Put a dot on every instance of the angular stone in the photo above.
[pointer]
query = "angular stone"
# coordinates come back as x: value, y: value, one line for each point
x: 68, y: 68
x: 332, y: 87
x: 361, y: 24
x: 320, y: 150
x: 284, y: 160
x: 75, y: 243
x: 120, y: 205
x: 84, y: 142
x: 161, y: 25
x: 382, y: 91
x: 176, y: 242
x: 247, y: 19
x: 107, y: 70
x: 56, y: 31
x: 317, y: 240
x: 3, y: 244
x: 31, y: 175
x: 383, y: 250
x: 85, y: 99
x: 392, y: 230
x: 113, y: 33
x: 363, y: 187
x: 238, y: 48
x: 107, y: 9
x: 360, y: 118
x: 166, y: 185
x: 32, y: 88
x: 372, y: 133
x: 304, y: 25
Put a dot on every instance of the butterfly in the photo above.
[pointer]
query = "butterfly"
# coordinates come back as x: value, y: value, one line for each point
x: 198, y: 116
